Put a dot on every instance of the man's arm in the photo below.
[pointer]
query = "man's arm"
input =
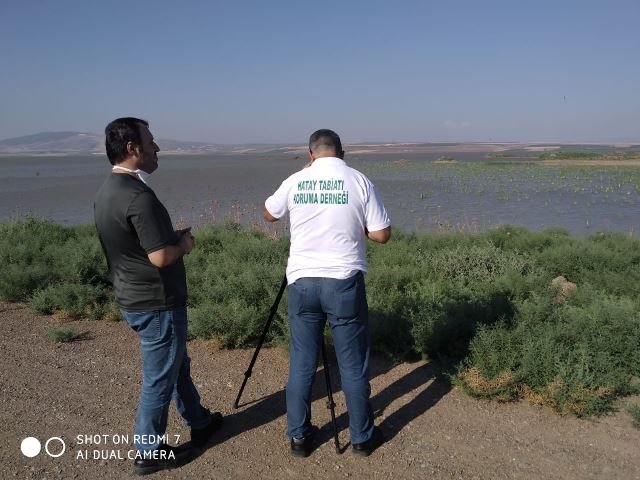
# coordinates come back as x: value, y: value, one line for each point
x: 380, y: 236
x: 376, y: 216
x: 267, y: 216
x: 155, y: 232
x: 172, y: 253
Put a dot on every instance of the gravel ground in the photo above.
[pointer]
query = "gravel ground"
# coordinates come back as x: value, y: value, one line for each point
x: 90, y: 387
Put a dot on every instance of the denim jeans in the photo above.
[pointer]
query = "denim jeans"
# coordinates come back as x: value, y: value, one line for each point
x: 165, y: 374
x: 313, y: 301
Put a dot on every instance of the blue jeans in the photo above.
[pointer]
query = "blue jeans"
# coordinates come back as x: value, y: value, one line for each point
x: 165, y: 374
x: 313, y: 301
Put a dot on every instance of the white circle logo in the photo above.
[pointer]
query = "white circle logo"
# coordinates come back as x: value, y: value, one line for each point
x: 55, y: 455
x: 30, y: 447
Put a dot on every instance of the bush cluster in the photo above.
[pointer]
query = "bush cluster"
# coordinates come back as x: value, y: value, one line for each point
x: 483, y: 302
x: 54, y: 268
x: 634, y: 411
x: 233, y: 277
x: 64, y: 334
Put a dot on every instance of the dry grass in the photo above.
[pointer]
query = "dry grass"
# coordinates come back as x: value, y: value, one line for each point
x: 63, y: 316
x: 501, y: 388
x: 533, y: 397
x: 583, y: 398
x: 442, y: 225
x: 112, y: 315
x: 241, y: 214
x: 402, y: 161
x: 505, y: 388
x: 212, y: 345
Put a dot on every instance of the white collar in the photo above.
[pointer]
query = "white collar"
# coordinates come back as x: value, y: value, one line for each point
x: 327, y: 160
x: 141, y: 174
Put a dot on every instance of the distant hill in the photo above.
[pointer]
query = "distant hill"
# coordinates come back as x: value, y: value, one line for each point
x: 83, y: 143
x: 54, y: 142
x: 70, y: 143
x: 191, y: 148
x: 74, y: 143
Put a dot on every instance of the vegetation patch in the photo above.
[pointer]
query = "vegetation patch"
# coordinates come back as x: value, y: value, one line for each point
x: 565, y: 155
x: 568, y: 155
x: 634, y: 411
x: 445, y: 159
x: 486, y: 303
x: 64, y: 334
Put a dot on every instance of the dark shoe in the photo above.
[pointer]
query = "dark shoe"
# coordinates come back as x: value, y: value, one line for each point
x: 200, y: 436
x: 165, y: 457
x: 365, y: 449
x: 301, y: 447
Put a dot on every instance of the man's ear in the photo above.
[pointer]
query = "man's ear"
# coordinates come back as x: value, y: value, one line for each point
x: 131, y: 149
x: 311, y: 159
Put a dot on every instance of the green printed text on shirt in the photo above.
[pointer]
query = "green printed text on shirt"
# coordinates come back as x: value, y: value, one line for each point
x: 324, y: 192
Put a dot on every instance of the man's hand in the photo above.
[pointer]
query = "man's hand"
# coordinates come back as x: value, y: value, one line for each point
x: 379, y: 236
x: 267, y: 216
x: 172, y: 253
x: 187, y: 241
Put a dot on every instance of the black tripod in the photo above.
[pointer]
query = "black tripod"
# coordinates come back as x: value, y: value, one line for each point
x: 330, y: 403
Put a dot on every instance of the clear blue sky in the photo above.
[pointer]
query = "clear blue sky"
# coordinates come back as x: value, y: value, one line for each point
x: 274, y: 71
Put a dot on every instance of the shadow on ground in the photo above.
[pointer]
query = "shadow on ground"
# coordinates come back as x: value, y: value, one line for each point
x: 426, y: 379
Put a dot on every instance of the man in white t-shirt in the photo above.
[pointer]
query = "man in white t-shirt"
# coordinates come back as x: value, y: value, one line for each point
x: 332, y: 210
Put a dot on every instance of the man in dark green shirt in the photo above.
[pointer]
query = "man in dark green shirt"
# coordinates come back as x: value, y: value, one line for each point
x: 144, y: 254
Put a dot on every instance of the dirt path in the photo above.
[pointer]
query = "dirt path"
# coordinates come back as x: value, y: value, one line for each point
x: 90, y: 387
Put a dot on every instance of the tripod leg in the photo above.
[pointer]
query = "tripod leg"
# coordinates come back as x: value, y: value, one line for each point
x: 330, y: 403
x: 272, y: 314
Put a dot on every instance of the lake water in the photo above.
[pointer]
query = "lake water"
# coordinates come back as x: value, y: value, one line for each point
x: 420, y: 195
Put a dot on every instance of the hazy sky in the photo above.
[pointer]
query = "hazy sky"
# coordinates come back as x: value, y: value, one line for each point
x: 274, y: 71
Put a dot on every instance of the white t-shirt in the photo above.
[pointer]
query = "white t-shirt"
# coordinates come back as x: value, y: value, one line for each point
x: 330, y: 204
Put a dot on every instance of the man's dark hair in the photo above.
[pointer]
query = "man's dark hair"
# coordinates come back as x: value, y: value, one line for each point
x: 118, y: 133
x: 325, y: 139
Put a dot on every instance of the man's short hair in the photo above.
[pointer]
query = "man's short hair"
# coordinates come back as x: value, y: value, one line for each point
x: 323, y: 140
x: 120, y: 132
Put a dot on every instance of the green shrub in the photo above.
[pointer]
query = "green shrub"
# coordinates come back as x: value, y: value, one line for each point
x: 64, y: 334
x: 480, y: 301
x: 233, y: 277
x: 18, y: 282
x: 634, y: 411
x: 103, y: 310
x: 577, y: 357
x: 444, y: 316
x: 560, y: 155
x: 475, y: 263
x: 388, y: 303
x: 75, y: 299
x: 36, y: 253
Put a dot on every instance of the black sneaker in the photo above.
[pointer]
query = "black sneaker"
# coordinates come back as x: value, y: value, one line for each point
x: 165, y: 457
x: 365, y: 449
x: 200, y: 436
x: 301, y: 447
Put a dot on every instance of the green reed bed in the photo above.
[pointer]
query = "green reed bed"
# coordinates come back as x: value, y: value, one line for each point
x: 585, y: 185
x: 514, y: 176
x: 581, y: 155
x: 482, y: 302
x: 565, y: 155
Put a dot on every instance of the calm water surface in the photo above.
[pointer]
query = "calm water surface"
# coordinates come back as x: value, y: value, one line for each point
x: 419, y: 194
